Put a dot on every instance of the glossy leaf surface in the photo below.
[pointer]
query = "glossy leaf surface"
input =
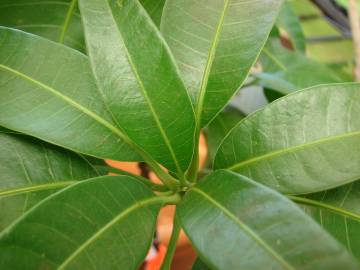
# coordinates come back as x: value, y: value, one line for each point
x: 47, y: 90
x: 139, y: 80
x: 235, y: 223
x: 30, y: 170
x: 305, y: 142
x: 102, y: 223
x: 338, y: 211
x: 154, y: 8
x: 215, y: 43
x: 220, y: 127
x: 59, y: 20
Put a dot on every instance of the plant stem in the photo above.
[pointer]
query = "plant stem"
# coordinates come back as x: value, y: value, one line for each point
x: 172, y: 199
x: 161, y: 188
x: 166, y: 265
x: 164, y: 177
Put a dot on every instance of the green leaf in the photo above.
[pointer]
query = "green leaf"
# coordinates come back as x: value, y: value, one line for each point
x: 286, y: 71
x: 30, y: 170
x: 307, y: 73
x: 302, y: 73
x: 275, y: 58
x: 338, y: 211
x: 5, y: 130
x: 59, y: 21
x: 288, y: 21
x: 215, y: 43
x: 154, y: 8
x: 275, y: 83
x: 220, y: 127
x: 305, y: 142
x: 139, y: 80
x: 199, y: 265
x: 235, y: 223
x: 47, y: 90
x: 102, y: 223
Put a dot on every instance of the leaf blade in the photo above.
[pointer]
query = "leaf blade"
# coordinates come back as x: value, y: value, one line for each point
x: 220, y: 127
x: 251, y: 219
x: 154, y: 9
x: 203, y: 37
x: 70, y: 114
x: 148, y: 89
x: 82, y: 245
x: 325, y: 131
x: 289, y: 21
x: 56, y: 20
x: 22, y: 185
x: 338, y: 212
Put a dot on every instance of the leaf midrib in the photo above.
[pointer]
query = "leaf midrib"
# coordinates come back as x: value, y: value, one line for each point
x: 209, y: 62
x: 145, y: 95
x: 67, y: 20
x: 116, y: 219
x: 274, y: 59
x: 245, y: 228
x: 337, y: 210
x: 73, y: 103
x: 35, y: 188
x: 295, y: 148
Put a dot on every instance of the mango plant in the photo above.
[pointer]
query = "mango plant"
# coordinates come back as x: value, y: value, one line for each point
x: 282, y: 193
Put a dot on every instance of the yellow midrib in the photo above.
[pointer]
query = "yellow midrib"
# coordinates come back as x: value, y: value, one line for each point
x: 78, y: 106
x: 245, y: 228
x: 107, y: 226
x: 291, y: 149
x: 67, y: 21
x: 146, y: 97
x: 334, y: 209
x: 209, y: 62
x: 36, y: 187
